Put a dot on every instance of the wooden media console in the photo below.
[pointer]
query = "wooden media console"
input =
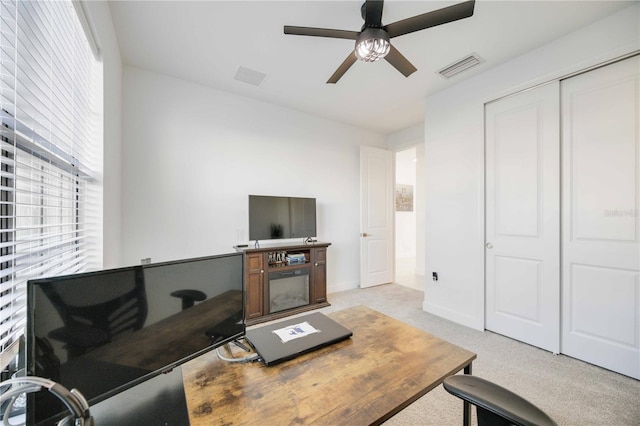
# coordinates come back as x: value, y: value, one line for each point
x: 276, y: 287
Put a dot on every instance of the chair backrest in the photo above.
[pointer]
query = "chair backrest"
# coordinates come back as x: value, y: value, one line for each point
x: 120, y: 308
x: 495, y: 405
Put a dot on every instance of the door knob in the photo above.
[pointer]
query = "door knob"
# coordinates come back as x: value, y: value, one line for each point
x: 364, y: 234
x: 489, y: 246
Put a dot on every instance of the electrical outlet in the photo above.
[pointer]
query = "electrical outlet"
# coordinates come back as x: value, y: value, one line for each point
x: 435, y: 276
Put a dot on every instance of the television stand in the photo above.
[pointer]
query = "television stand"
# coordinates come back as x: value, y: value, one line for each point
x: 283, y: 279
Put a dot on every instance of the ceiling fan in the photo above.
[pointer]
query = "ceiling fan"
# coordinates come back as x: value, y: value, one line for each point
x: 373, y: 40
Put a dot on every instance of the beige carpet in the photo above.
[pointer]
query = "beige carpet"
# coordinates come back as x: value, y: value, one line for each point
x: 572, y: 392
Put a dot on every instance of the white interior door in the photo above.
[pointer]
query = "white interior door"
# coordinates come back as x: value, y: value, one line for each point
x: 601, y: 217
x: 522, y: 217
x: 376, y: 216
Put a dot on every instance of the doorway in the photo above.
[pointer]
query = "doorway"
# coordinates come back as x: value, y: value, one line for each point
x: 409, y: 220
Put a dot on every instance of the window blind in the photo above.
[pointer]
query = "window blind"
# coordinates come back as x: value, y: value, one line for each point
x: 49, y: 154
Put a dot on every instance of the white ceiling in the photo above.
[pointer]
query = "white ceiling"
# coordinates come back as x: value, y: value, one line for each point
x: 207, y: 41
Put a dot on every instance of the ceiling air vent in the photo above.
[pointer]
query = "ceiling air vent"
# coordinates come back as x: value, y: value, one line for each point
x: 249, y: 76
x: 461, y: 65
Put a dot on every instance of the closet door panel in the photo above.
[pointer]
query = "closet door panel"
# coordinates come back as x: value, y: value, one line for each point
x: 601, y: 217
x: 522, y: 220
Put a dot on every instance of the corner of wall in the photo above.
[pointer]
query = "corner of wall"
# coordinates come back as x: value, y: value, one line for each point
x: 406, y: 138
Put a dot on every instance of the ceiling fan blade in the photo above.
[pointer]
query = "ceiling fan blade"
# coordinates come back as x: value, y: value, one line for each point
x: 342, y: 68
x: 431, y: 19
x: 321, y: 32
x: 399, y: 62
x: 373, y: 13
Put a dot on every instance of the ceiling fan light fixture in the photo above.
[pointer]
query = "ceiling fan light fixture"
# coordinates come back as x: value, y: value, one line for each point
x: 372, y: 41
x: 372, y: 44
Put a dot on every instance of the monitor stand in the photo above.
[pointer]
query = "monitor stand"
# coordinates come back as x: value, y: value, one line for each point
x: 241, y: 345
x: 158, y: 401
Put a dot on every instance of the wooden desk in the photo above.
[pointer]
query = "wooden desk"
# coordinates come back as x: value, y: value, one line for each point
x: 168, y: 340
x: 367, y: 379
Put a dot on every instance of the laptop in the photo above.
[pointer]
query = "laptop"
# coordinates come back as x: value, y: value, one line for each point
x: 288, y: 339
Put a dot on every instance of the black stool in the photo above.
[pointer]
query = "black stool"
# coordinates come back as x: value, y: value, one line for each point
x: 189, y: 297
x: 495, y: 405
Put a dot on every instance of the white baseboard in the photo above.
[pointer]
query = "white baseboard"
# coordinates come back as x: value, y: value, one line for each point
x: 335, y: 288
x: 454, y: 316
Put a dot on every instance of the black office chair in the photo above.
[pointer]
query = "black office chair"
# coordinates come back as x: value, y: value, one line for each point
x: 495, y: 405
x: 90, y: 326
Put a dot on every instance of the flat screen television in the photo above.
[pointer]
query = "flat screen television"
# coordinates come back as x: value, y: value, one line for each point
x: 273, y: 218
x: 103, y: 332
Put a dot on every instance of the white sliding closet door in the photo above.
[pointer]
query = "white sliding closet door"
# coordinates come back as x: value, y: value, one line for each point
x: 522, y: 217
x: 601, y: 217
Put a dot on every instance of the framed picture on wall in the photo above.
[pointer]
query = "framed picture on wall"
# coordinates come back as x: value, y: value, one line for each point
x: 404, y: 198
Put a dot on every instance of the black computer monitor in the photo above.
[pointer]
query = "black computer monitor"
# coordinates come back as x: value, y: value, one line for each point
x: 103, y: 332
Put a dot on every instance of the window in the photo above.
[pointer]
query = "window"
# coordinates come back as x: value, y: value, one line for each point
x: 50, y: 156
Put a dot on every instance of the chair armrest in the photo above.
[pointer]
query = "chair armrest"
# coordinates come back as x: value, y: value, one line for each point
x: 496, y: 399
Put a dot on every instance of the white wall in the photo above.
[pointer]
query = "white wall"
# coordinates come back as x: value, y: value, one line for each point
x: 100, y: 19
x: 454, y: 145
x: 420, y: 205
x: 192, y: 155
